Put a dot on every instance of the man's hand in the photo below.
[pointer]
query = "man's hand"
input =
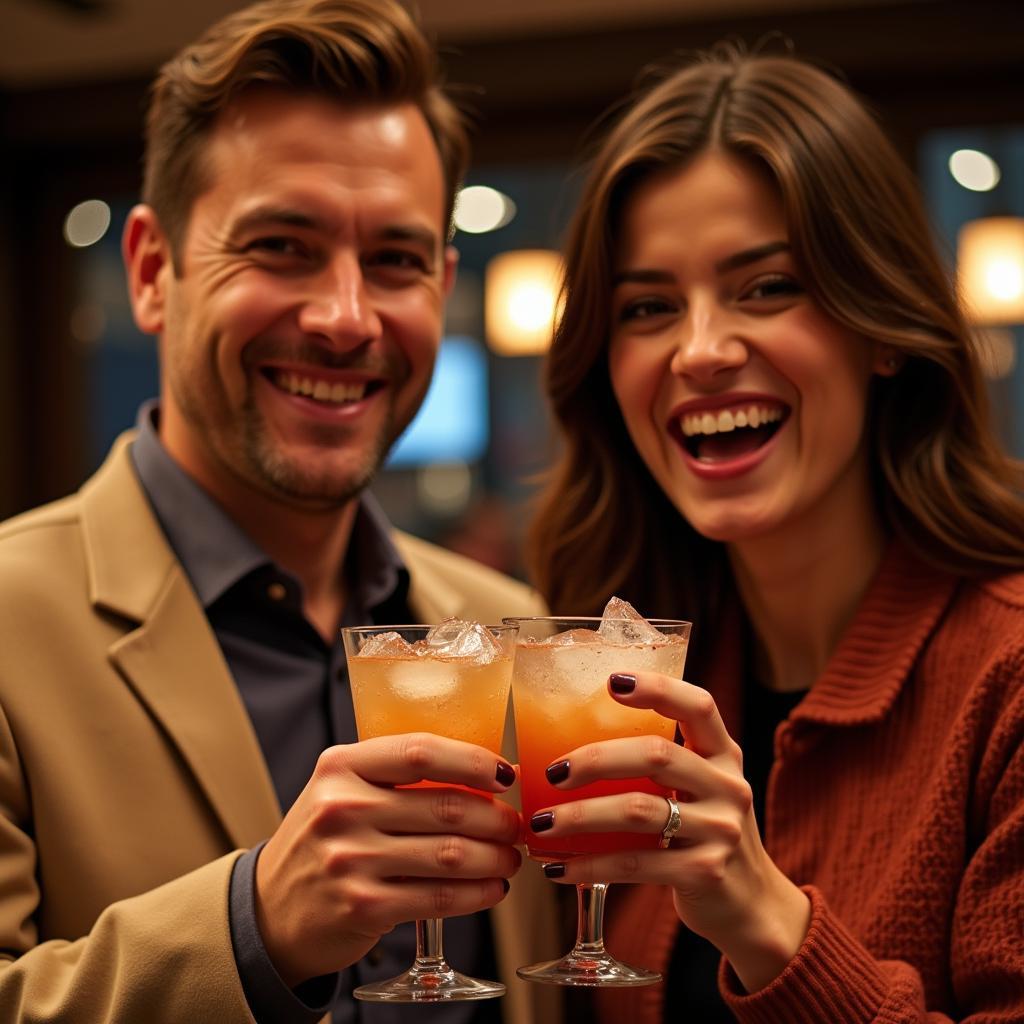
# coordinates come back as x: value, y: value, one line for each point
x: 354, y: 856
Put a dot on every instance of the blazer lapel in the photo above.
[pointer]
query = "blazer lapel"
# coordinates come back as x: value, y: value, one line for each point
x: 431, y: 597
x: 172, y: 659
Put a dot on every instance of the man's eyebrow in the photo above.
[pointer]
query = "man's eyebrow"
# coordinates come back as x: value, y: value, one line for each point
x: 733, y: 262
x: 409, y: 233
x: 286, y: 216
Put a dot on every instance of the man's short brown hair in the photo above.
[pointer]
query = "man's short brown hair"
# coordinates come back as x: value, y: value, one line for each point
x: 357, y: 51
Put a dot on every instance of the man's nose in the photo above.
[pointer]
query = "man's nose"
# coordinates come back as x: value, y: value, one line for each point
x: 339, y: 307
x: 708, y: 344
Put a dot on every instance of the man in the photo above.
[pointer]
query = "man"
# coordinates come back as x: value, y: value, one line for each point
x: 171, y: 679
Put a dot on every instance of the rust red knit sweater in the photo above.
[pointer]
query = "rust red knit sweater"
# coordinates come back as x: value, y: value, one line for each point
x: 897, y: 800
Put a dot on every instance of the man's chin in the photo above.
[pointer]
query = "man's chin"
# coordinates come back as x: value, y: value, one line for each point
x: 314, y: 487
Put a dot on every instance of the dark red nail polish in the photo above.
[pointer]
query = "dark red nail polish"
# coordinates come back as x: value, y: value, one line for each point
x: 554, y: 870
x: 506, y: 885
x: 622, y: 683
x: 542, y: 821
x: 505, y: 774
x: 557, y: 772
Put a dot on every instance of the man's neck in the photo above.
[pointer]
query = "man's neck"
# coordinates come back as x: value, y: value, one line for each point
x: 312, y: 546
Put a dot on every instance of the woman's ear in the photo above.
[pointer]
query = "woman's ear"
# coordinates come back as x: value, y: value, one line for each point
x: 147, y: 260
x: 887, y: 361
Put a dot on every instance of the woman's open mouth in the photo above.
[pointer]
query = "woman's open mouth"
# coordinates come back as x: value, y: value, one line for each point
x: 713, y: 436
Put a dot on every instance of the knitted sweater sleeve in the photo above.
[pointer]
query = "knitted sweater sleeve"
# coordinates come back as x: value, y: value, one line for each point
x: 835, y: 978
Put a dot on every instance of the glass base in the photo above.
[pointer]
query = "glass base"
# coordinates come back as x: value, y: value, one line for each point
x: 429, y: 983
x: 582, y: 967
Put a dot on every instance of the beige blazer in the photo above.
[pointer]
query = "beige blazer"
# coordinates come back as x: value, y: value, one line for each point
x: 131, y: 778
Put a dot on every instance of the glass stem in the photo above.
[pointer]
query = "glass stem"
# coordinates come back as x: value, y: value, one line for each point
x: 429, y: 944
x: 590, y: 917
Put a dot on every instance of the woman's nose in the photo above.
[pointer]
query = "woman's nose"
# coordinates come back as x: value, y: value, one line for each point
x: 707, y: 345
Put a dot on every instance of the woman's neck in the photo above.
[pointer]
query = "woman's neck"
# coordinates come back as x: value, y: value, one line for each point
x: 801, y: 591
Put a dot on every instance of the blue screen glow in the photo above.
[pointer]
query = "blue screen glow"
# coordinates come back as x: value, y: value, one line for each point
x: 452, y: 424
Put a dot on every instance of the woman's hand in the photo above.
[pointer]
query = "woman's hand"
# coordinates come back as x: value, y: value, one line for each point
x: 724, y: 885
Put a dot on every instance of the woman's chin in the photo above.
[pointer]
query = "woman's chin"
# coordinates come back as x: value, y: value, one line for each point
x: 732, y: 527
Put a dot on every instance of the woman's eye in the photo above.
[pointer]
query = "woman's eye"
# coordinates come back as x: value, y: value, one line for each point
x: 642, y: 309
x: 775, y: 287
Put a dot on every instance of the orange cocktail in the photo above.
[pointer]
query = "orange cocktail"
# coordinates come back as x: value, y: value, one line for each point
x: 447, y: 696
x: 451, y: 679
x: 561, y: 702
x: 560, y: 693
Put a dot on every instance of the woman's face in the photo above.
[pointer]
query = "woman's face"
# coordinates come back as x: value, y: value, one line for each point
x: 746, y: 402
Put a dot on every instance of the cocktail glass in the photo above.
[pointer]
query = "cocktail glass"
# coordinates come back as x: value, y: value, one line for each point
x: 452, y: 680
x: 561, y: 701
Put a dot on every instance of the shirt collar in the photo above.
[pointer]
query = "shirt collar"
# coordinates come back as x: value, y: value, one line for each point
x: 216, y: 553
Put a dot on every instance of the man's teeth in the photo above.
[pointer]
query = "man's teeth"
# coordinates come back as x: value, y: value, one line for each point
x: 320, y: 390
x: 729, y: 419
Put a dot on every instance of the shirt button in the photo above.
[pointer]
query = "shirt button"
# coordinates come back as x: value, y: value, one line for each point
x: 277, y: 592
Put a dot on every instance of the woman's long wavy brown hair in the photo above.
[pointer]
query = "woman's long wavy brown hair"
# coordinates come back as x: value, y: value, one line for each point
x: 860, y: 234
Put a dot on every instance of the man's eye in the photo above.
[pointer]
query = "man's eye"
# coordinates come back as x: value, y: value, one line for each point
x: 277, y: 245
x: 777, y: 286
x: 399, y: 259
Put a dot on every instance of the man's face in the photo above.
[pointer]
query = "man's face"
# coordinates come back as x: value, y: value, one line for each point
x: 299, y: 336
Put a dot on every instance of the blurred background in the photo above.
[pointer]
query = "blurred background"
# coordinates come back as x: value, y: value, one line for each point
x: 947, y: 79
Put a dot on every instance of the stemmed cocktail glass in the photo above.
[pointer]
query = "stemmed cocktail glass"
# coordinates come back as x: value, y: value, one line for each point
x: 451, y: 680
x: 561, y: 701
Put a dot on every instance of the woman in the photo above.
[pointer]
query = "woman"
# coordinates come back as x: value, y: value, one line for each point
x: 775, y: 425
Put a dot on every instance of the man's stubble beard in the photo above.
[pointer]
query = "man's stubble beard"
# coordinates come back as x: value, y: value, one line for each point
x: 283, y: 477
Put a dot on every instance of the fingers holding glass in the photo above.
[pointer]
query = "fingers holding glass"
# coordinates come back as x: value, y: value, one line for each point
x: 562, y: 703
x: 691, y: 707
x: 430, y: 706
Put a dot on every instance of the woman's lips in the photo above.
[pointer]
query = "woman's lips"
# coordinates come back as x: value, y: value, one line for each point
x: 730, y: 438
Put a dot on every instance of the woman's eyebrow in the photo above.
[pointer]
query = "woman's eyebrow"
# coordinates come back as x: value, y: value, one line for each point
x: 641, y: 276
x: 759, y: 252
x: 644, y: 275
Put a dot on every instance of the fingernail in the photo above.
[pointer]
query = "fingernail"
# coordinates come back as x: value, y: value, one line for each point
x: 622, y: 683
x: 557, y: 772
x: 505, y: 774
x: 506, y: 885
x: 554, y: 870
x: 542, y: 821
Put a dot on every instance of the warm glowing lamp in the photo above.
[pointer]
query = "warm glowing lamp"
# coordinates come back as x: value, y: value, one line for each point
x: 990, y: 261
x: 521, y: 300
x: 990, y: 256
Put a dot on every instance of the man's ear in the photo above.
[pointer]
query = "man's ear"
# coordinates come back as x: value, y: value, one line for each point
x: 147, y: 259
x: 451, y: 263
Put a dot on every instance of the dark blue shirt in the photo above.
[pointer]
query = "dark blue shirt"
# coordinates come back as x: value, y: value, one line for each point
x: 295, y: 688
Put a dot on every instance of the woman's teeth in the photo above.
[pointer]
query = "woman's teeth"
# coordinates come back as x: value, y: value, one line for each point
x: 724, y: 420
x: 320, y: 390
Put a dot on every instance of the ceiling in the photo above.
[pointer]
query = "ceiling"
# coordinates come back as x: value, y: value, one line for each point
x: 56, y: 42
